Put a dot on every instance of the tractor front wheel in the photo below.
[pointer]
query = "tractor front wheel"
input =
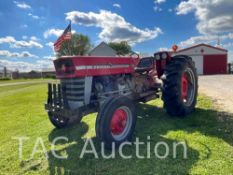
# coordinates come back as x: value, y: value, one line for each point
x: 63, y: 122
x: 116, y: 121
x: 58, y: 122
x: 180, y: 86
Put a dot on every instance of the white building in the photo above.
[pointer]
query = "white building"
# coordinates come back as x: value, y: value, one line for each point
x: 208, y: 59
x: 103, y: 50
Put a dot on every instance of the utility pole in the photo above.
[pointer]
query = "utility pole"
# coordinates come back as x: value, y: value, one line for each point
x: 4, y: 72
x: 219, y: 43
x: 41, y: 72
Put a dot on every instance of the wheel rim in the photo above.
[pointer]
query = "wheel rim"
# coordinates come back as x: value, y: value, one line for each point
x: 121, y: 123
x: 188, y: 85
x: 184, y: 87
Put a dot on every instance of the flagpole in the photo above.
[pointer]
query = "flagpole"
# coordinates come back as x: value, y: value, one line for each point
x: 70, y: 43
x: 66, y: 35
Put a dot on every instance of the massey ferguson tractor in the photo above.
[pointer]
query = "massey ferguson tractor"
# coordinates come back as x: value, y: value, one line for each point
x: 112, y: 85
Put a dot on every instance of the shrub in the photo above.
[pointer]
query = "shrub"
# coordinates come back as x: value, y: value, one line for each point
x: 50, y: 77
x: 5, y: 78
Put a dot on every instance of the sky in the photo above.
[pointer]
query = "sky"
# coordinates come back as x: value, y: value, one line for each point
x: 30, y: 27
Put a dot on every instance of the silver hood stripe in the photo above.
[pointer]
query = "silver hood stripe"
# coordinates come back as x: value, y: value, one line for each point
x: 102, y: 66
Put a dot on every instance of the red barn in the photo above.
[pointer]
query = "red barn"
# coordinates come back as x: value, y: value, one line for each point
x: 208, y: 59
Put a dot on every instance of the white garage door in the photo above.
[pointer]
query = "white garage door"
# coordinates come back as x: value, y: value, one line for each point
x: 198, y: 63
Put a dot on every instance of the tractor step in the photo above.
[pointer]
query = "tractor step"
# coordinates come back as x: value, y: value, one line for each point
x: 147, y: 96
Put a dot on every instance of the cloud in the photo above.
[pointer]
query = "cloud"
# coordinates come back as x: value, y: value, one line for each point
x: 164, y: 49
x: 159, y: 1
x: 156, y: 7
x: 208, y: 39
x: 23, y: 66
x: 185, y: 7
x: 43, y: 64
x: 116, y: 5
x: 228, y: 45
x: 24, y: 37
x: 33, y: 16
x: 214, y: 16
x: 49, y: 57
x: 54, y: 32
x: 24, y: 54
x: 24, y: 26
x: 170, y: 10
x: 230, y: 56
x: 7, y: 39
x: 26, y: 44
x: 21, y: 44
x: 199, y: 39
x: 22, y: 5
x: 50, y: 44
x: 113, y: 26
x: 34, y: 38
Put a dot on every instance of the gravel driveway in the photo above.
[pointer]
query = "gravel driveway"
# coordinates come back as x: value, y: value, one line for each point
x: 219, y: 88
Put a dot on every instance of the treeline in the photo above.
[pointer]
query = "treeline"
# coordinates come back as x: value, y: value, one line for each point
x: 81, y: 45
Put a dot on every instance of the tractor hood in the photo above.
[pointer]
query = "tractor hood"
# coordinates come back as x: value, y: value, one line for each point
x: 82, y: 66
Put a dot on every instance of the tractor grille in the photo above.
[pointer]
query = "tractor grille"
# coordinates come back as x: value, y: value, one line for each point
x: 73, y: 89
x: 70, y: 93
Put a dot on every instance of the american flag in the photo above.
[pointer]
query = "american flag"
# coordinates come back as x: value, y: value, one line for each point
x: 66, y: 35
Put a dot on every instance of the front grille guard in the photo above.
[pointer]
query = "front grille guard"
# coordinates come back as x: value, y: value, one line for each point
x: 56, y: 97
x: 57, y: 103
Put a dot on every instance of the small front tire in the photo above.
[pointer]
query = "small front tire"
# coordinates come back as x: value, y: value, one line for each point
x: 58, y: 122
x: 116, y: 121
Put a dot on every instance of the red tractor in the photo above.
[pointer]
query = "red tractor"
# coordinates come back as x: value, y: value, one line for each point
x: 112, y: 85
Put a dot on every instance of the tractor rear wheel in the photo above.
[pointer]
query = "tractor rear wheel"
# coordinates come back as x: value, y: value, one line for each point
x: 180, y: 84
x: 116, y: 121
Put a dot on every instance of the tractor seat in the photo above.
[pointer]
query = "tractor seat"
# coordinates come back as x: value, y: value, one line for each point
x: 144, y: 65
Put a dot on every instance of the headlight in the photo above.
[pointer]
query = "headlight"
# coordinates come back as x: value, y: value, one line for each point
x: 164, y: 56
x: 157, y: 57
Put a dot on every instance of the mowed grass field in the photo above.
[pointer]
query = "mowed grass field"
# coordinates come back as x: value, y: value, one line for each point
x: 20, y: 80
x: 208, y: 134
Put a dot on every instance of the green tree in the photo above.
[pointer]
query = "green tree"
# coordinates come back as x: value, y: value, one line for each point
x: 122, y: 48
x: 78, y: 45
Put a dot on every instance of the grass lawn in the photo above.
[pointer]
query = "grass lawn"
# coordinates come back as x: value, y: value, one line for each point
x: 22, y: 80
x: 208, y: 134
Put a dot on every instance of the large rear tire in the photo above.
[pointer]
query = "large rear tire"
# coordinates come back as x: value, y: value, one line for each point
x: 116, y: 121
x: 180, y: 85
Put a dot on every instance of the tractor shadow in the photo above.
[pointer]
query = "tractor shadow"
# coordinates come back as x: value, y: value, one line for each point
x: 153, y: 122
x: 210, y: 122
